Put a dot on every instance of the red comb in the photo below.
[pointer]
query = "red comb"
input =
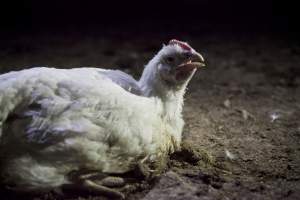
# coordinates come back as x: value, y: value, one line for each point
x: 183, y: 45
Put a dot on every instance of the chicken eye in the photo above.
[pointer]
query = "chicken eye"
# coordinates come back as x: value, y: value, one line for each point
x: 170, y: 59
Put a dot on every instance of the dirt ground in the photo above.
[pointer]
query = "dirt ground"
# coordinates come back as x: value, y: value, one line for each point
x: 242, y: 111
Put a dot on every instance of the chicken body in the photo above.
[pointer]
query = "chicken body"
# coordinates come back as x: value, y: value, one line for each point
x: 56, y: 121
x: 62, y: 120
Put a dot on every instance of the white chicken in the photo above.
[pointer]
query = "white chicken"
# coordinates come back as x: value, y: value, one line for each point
x: 56, y: 121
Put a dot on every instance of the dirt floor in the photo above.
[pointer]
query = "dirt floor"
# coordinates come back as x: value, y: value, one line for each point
x: 242, y: 112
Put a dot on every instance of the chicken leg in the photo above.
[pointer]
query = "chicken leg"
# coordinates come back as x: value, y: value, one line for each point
x: 113, y: 186
x: 97, y: 183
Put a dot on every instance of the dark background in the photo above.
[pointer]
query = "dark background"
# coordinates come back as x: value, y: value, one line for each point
x: 252, y: 53
x: 139, y: 17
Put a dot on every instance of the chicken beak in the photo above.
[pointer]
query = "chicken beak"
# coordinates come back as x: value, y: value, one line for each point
x: 192, y: 60
x: 185, y: 69
x: 198, y: 60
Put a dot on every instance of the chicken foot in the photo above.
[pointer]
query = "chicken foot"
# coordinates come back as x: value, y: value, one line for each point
x: 111, y: 185
x: 97, y: 183
x: 102, y: 189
